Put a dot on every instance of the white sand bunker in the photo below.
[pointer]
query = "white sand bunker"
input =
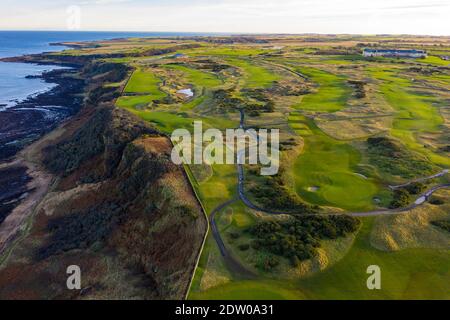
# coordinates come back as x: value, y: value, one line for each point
x: 187, y: 92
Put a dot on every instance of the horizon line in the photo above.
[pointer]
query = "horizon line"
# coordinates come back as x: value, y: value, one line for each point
x: 229, y: 33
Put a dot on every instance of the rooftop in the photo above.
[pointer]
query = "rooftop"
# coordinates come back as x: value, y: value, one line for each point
x: 395, y: 50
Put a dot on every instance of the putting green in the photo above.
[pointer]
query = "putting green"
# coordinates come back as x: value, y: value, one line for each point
x: 324, y: 173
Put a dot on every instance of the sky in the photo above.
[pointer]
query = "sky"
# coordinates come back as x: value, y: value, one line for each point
x: 430, y: 17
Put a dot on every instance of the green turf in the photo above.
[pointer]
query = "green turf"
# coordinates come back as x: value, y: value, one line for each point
x: 225, y: 51
x: 330, y: 165
x: 134, y: 101
x: 145, y: 82
x: 197, y: 77
x: 254, y: 75
x: 416, y: 113
x: 331, y: 95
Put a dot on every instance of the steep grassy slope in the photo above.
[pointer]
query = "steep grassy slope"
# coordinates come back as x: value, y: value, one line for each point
x: 119, y: 209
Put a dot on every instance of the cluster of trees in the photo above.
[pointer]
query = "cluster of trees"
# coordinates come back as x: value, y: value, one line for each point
x: 359, y: 87
x: 443, y: 224
x: 391, y: 157
x: 160, y: 51
x: 98, y: 135
x: 299, y: 238
x: 211, y: 65
x: 81, y: 230
x: 274, y: 194
x: 401, y: 199
x: 227, y: 102
x: 445, y: 148
x: 106, y: 71
x: 402, y: 196
x: 263, y: 102
x: 289, y: 90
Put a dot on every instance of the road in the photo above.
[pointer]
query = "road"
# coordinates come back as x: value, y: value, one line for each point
x: 440, y: 174
x: 237, y: 267
x: 230, y: 261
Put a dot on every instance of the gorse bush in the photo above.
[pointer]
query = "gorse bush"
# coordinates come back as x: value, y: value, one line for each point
x: 393, y: 158
x: 299, y: 238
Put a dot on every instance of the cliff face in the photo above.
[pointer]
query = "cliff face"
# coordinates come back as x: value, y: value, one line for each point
x: 119, y: 209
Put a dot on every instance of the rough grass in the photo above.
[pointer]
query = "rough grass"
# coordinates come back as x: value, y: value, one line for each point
x: 406, y: 274
x: 413, y: 229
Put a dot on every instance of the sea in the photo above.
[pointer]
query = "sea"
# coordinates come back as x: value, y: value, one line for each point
x: 24, y: 114
x: 15, y: 86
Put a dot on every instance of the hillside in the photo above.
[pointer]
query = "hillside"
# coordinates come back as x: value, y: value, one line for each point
x: 117, y: 207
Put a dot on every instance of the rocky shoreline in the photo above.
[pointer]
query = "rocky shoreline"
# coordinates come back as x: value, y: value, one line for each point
x: 27, y: 122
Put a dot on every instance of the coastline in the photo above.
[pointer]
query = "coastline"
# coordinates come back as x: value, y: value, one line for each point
x: 21, y: 128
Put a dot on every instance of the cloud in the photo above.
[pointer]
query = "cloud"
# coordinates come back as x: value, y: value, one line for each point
x: 263, y: 16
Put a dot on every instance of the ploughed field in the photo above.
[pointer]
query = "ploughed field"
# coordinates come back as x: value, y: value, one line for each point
x: 350, y: 127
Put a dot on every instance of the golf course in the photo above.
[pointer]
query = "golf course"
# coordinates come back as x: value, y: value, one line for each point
x: 351, y: 127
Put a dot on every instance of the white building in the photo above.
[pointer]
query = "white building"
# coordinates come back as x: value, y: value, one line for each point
x: 395, y: 53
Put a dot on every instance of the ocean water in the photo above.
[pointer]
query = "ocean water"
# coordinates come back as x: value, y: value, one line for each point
x: 14, y: 86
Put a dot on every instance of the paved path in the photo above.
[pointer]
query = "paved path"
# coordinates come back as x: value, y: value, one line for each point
x: 237, y: 267
x: 440, y: 174
x: 230, y: 261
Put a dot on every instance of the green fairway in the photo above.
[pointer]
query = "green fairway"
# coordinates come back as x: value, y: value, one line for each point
x: 249, y: 290
x: 416, y: 113
x: 197, y: 77
x: 332, y: 91
x: 134, y: 101
x: 164, y: 121
x: 225, y: 51
x: 145, y: 82
x: 325, y: 172
x: 254, y: 75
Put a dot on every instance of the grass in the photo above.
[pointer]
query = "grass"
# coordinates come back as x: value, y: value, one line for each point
x: 134, y: 101
x: 222, y: 51
x: 416, y: 113
x: 145, y: 82
x: 197, y: 77
x: 332, y: 91
x: 406, y: 274
x: 327, y: 163
x: 330, y: 165
x: 222, y: 186
x: 254, y: 76
x: 414, y: 229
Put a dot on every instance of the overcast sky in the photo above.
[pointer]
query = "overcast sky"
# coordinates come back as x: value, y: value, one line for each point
x: 247, y: 16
